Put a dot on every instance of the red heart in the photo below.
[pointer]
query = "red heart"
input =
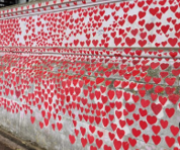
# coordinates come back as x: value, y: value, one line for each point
x: 173, y: 8
x: 170, y: 112
x: 169, y: 90
x: 174, y: 130
x: 99, y: 143
x: 154, y: 96
x: 118, y: 114
x: 105, y: 122
x: 156, y: 129
x: 173, y: 54
x: 132, y: 142
x: 132, y: 18
x: 92, y: 128
x: 130, y: 41
x: 113, y: 126
x: 32, y: 119
x: 143, y: 124
x: 126, y: 96
x: 83, y: 130
x: 120, y: 133
x: 156, y: 139
x: 170, y: 81
x: 164, y: 74
x: 99, y: 80
x: 145, y: 103
x: 41, y: 125
x: 135, y: 98
x: 90, y: 138
x: 164, y: 123
x: 136, y: 132
x: 93, y: 148
x: 176, y: 72
x: 151, y: 119
x: 158, y: 89
x: 162, y: 100
x: 141, y: 22
x: 149, y: 26
x: 125, y: 145
x: 83, y: 142
x: 164, y: 66
x: 145, y: 138
x: 153, y: 11
x: 130, y: 122
x: 154, y: 65
x: 117, y: 144
x: 156, y: 108
x: 174, y: 98
x: 130, y: 107
x: 173, y: 42
x: 117, y: 41
x: 59, y: 126
x: 111, y: 94
x: 118, y: 105
x: 142, y: 43
x: 107, y: 147
x: 170, y: 141
x: 143, y: 112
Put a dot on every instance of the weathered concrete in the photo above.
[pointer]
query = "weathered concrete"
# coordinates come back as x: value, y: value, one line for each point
x: 89, y: 84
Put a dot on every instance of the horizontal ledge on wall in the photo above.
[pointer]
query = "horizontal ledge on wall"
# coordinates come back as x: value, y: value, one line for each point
x: 79, y: 54
x: 37, y: 8
x: 104, y: 48
x: 56, y: 10
x: 9, y: 9
x: 120, y: 78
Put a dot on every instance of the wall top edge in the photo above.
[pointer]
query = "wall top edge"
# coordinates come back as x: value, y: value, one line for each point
x: 45, y: 4
x: 38, y: 8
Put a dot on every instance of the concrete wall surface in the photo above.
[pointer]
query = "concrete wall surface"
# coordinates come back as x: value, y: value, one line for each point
x: 92, y: 75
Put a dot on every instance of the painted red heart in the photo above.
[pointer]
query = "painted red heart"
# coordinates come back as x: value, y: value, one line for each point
x: 170, y: 141
x: 156, y: 108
